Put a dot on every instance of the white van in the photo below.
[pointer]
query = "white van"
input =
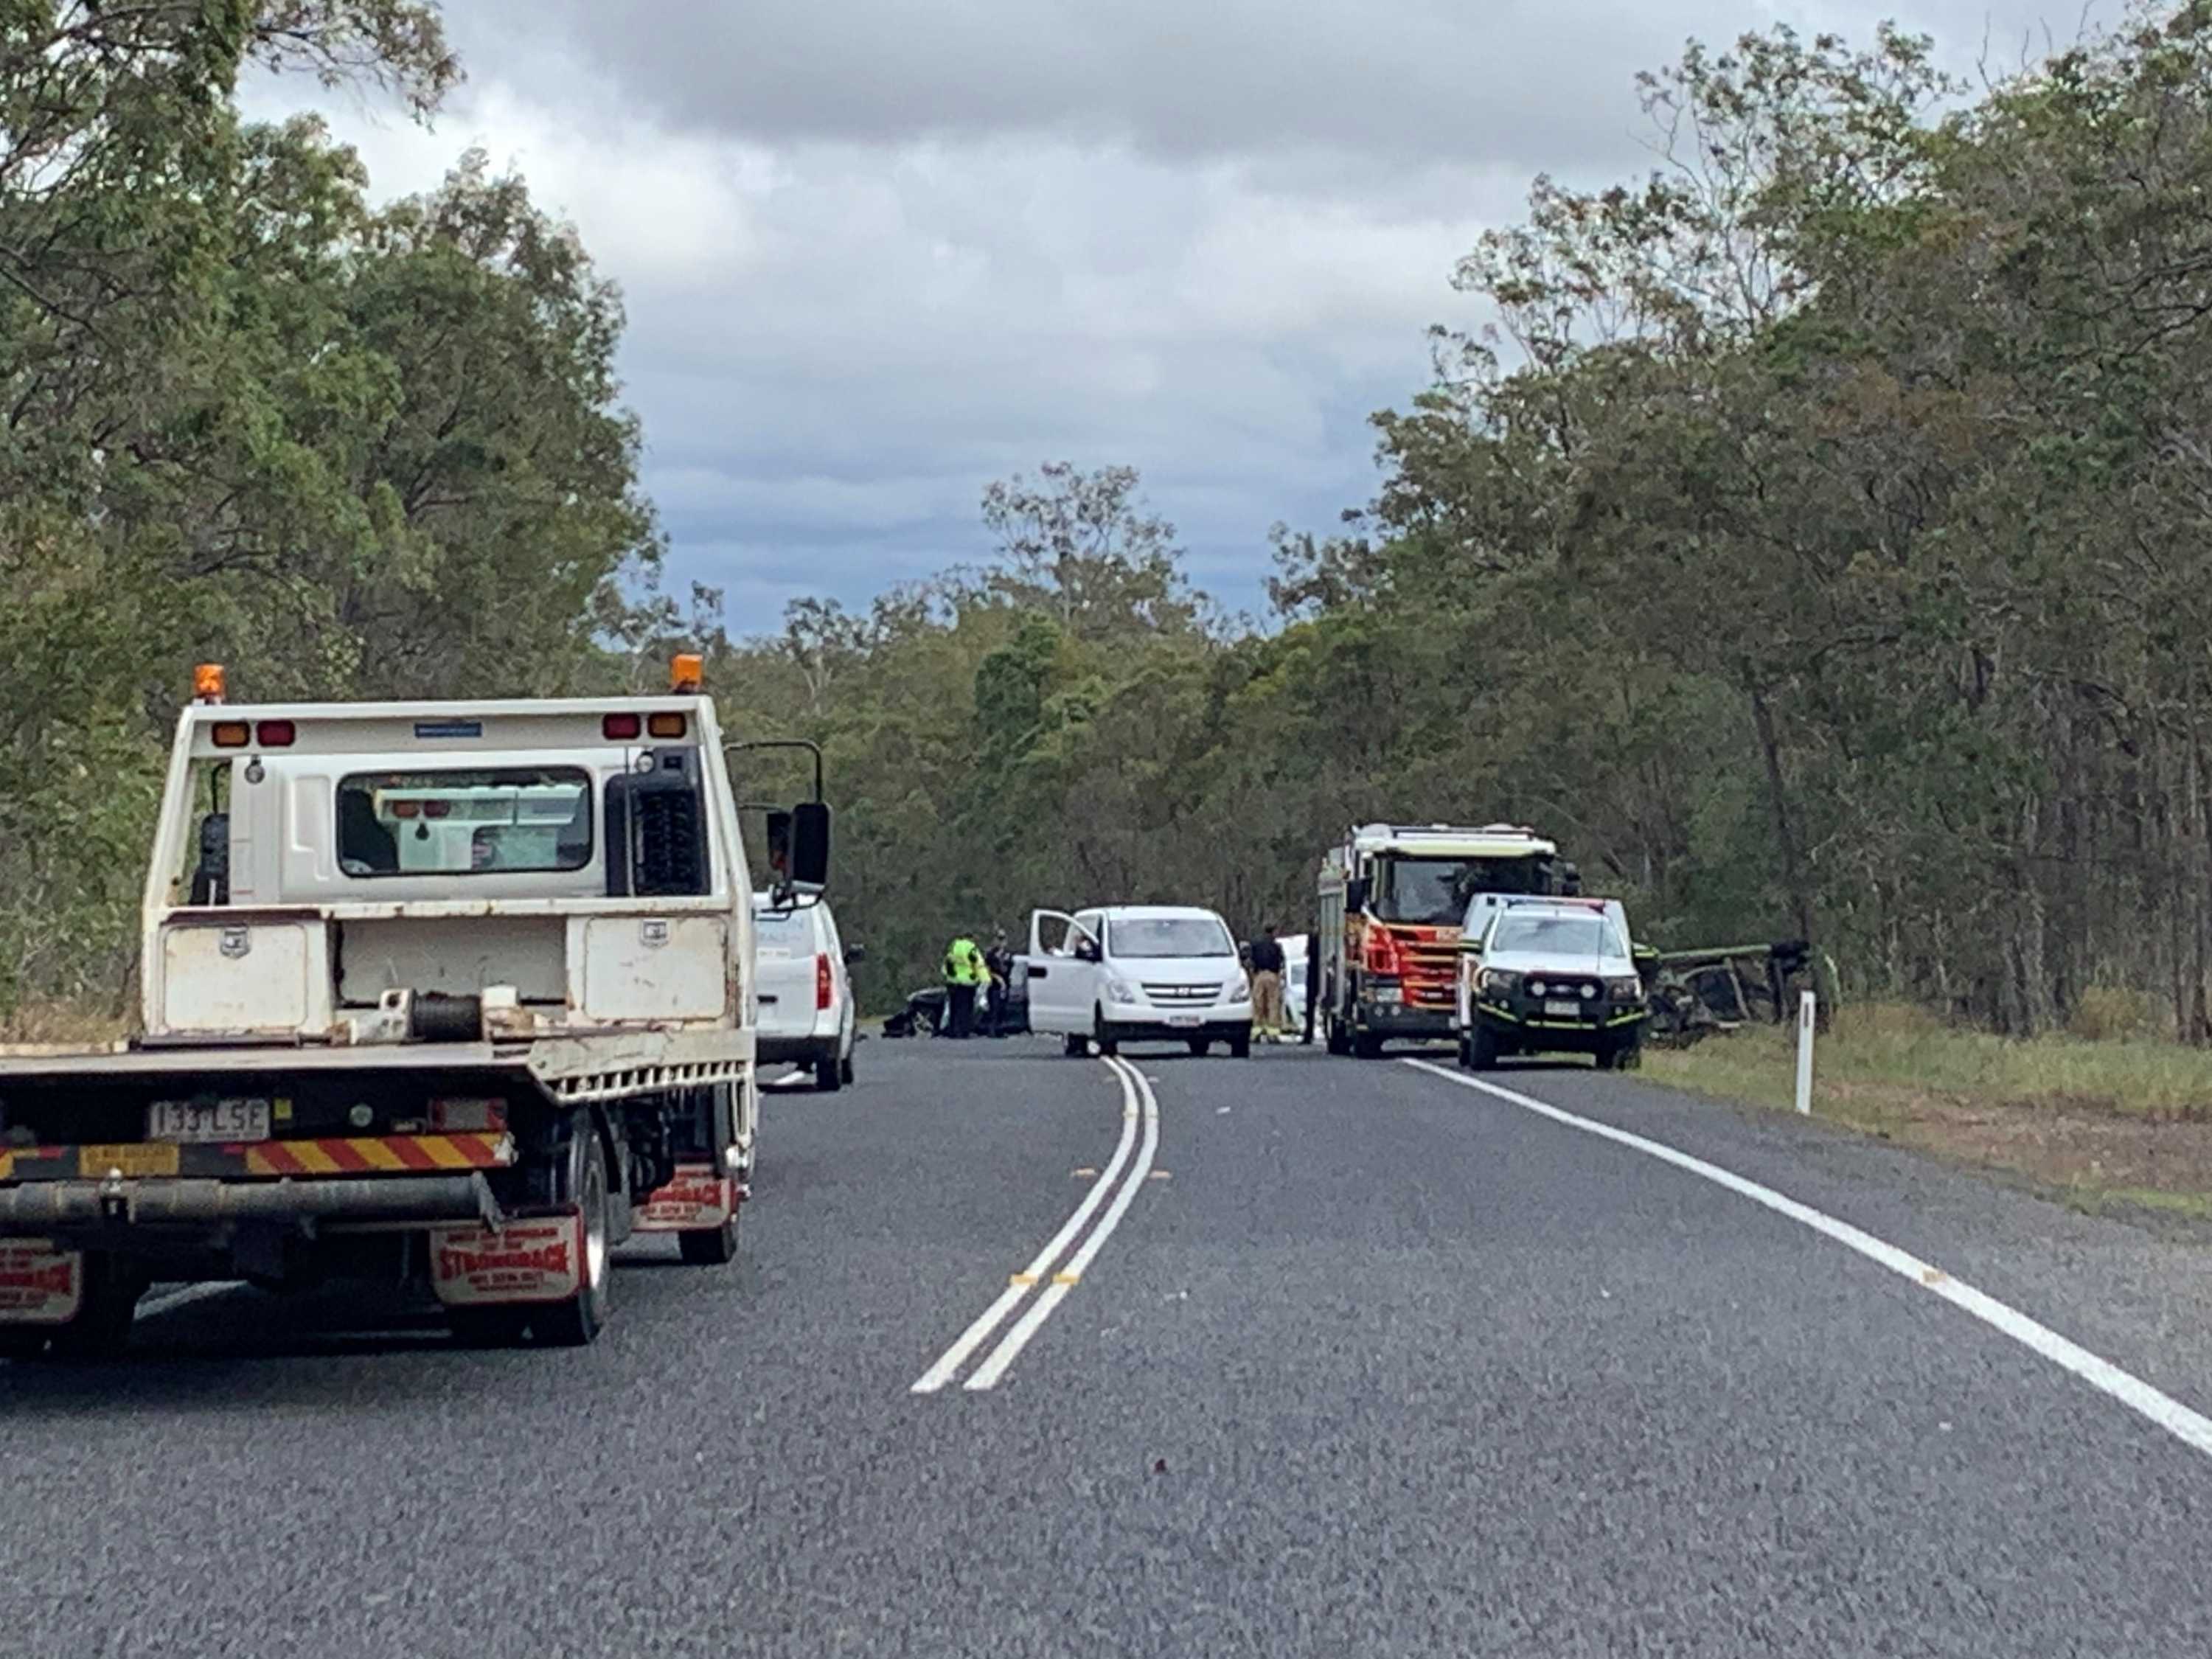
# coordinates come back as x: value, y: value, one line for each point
x: 804, y: 990
x: 1137, y: 973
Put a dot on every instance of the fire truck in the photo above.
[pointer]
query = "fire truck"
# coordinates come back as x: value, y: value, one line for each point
x: 1392, y: 899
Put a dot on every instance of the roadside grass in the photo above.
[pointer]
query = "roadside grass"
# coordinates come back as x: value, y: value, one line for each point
x: 51, y: 1025
x: 2123, y: 1124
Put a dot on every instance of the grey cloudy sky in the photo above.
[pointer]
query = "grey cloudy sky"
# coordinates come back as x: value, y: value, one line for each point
x: 876, y: 253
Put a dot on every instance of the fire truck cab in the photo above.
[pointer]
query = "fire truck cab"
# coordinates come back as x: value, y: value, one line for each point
x: 1392, y: 900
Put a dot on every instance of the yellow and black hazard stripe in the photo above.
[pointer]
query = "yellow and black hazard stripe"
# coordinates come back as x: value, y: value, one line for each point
x: 362, y: 1155
x: 378, y: 1155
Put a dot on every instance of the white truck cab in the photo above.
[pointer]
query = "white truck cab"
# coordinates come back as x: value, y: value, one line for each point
x: 1137, y: 973
x: 462, y: 991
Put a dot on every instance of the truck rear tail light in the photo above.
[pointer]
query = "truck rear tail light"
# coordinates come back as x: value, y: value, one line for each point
x: 621, y: 728
x: 437, y: 808
x: 407, y: 809
x: 468, y: 1116
x: 276, y: 734
x: 824, y: 987
x: 231, y: 734
x: 666, y: 726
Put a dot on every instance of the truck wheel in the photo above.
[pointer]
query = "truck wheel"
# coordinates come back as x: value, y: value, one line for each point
x: 1367, y: 1046
x: 828, y: 1075
x: 714, y: 1247
x: 1337, y: 1042
x: 1075, y: 1047
x: 23, y: 1342
x: 101, y: 1330
x: 488, y: 1327
x: 1481, y: 1049
x: 573, y: 1323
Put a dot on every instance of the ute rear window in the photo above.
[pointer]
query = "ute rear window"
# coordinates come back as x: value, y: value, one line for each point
x: 464, y: 823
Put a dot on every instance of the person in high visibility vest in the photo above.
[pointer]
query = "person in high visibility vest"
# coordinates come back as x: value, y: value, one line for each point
x: 965, y: 976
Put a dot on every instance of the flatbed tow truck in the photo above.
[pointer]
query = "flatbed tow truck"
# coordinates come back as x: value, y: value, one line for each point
x: 453, y: 993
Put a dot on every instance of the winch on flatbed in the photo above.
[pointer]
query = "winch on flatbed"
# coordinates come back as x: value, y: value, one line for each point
x: 458, y: 991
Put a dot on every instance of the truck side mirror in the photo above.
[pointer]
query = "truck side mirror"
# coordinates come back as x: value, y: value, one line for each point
x: 810, y: 846
x: 855, y: 953
x: 1570, y: 880
x: 1355, y: 894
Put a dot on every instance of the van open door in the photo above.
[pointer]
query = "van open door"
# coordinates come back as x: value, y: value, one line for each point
x: 1063, y: 978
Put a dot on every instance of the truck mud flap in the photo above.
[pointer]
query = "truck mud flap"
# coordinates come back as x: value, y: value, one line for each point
x: 540, y: 1259
x: 39, y: 1285
x: 39, y: 1208
x: 699, y: 1200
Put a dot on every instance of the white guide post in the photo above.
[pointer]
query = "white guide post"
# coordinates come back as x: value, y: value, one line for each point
x: 1805, y: 1013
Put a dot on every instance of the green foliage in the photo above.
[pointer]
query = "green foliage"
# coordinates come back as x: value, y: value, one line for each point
x: 244, y: 416
x: 1818, y: 544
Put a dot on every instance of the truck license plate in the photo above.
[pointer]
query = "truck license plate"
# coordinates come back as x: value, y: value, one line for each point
x: 1569, y: 1009
x: 202, y: 1122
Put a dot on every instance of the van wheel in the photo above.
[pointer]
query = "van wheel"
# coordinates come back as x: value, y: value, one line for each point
x: 1074, y: 1047
x: 573, y: 1323
x: 828, y: 1075
x: 1202, y: 1047
x: 1240, y: 1046
x: 1108, y: 1046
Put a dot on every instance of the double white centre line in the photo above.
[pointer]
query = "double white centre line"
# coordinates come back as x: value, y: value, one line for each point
x: 1140, y: 1128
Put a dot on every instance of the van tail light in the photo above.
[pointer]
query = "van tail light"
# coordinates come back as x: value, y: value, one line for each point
x: 467, y: 1117
x: 1385, y: 955
x: 824, y: 985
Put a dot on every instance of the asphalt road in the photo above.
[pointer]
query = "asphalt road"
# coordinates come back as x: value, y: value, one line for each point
x: 1372, y: 1364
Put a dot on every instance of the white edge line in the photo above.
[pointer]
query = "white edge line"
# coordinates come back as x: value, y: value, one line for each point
x: 972, y: 1339
x: 1009, y: 1350
x: 2190, y: 1427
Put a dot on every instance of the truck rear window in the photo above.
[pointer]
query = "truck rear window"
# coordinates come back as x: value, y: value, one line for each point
x: 464, y: 823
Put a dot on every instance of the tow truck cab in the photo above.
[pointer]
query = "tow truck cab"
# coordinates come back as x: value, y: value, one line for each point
x: 461, y: 991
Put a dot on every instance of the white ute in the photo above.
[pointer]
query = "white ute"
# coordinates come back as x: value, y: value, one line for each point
x: 1137, y: 973
x: 459, y: 992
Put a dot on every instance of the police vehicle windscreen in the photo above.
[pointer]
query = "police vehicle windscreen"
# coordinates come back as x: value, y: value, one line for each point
x: 1434, y: 892
x: 469, y: 822
x: 1557, y: 936
x: 1171, y: 936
